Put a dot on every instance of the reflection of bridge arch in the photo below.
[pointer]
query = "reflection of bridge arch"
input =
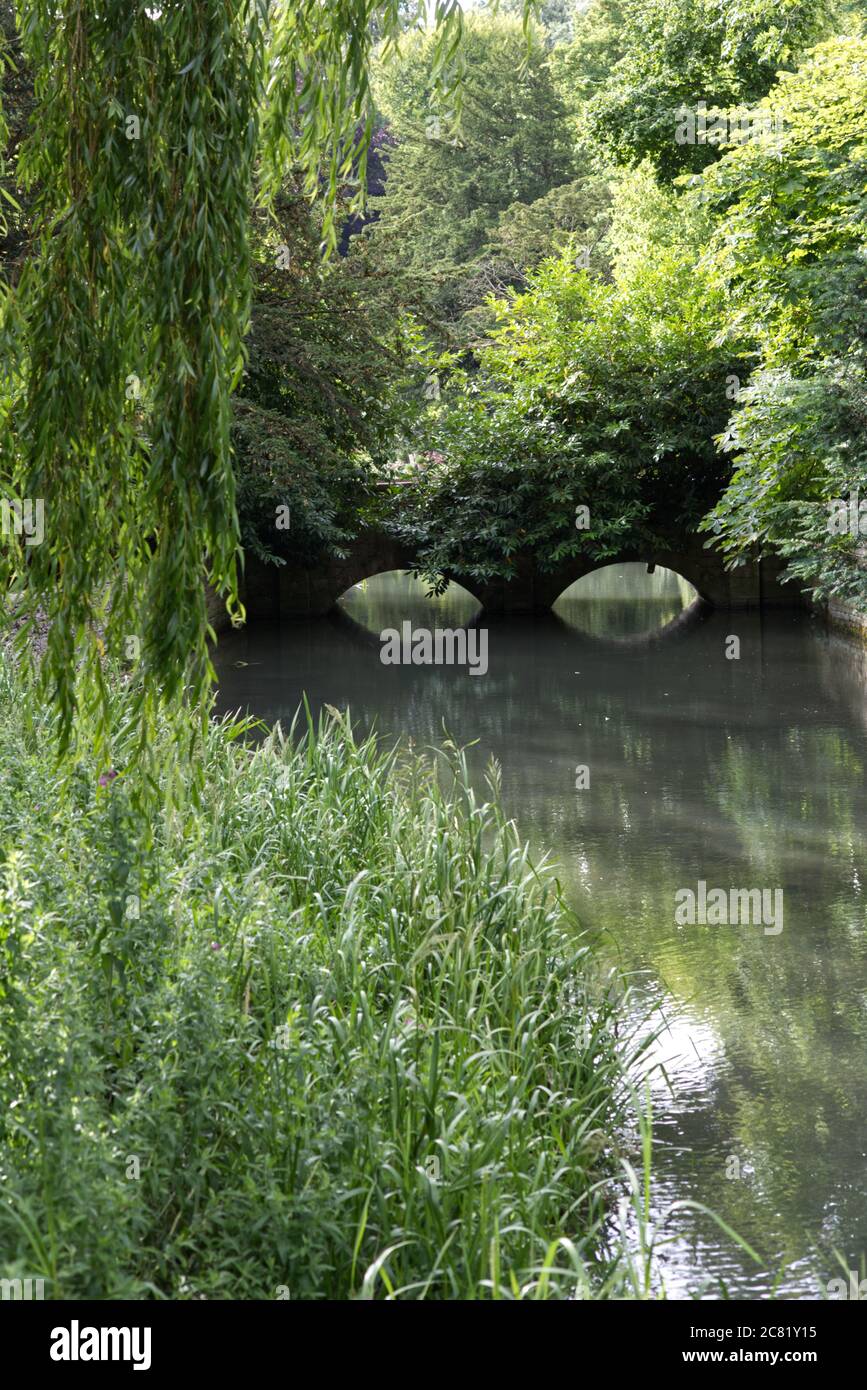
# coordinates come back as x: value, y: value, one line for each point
x: 360, y: 634
x: 294, y: 591
x: 628, y: 604
x: 684, y: 622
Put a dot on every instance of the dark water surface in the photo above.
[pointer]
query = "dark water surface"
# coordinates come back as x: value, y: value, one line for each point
x: 742, y: 773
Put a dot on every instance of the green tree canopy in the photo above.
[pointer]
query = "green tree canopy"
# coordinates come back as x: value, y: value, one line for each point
x: 789, y: 252
x: 447, y: 185
x: 329, y: 382
x: 674, y: 54
x: 604, y: 395
x: 557, y: 17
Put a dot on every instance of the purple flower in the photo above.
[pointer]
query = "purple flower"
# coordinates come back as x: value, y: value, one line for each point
x: 106, y: 778
x: 215, y: 946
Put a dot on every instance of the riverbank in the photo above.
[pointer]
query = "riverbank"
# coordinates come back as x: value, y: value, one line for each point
x: 644, y: 768
x: 326, y: 1032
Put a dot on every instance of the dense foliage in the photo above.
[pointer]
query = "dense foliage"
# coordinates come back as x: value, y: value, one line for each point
x: 332, y: 1036
x: 447, y: 183
x: 659, y: 340
x: 589, y: 394
x: 329, y: 382
x: 153, y: 133
x: 16, y: 106
x: 790, y: 250
x: 676, y: 53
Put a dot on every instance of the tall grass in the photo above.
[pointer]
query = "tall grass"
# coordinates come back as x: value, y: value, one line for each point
x: 323, y: 1031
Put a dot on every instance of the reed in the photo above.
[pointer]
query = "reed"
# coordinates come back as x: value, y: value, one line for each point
x: 321, y: 1030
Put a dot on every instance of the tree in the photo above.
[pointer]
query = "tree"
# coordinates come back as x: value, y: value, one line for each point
x: 447, y: 184
x: 584, y: 66
x: 576, y: 215
x: 15, y: 110
x: 789, y: 251
x: 675, y: 54
x: 328, y: 383
x: 589, y: 394
x: 153, y: 132
x: 556, y: 17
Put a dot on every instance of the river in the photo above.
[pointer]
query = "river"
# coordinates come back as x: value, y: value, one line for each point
x: 649, y: 758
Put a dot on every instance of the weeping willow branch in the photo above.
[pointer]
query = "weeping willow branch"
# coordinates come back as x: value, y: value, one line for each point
x: 156, y: 128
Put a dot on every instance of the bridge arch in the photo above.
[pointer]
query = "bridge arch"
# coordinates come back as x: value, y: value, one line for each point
x: 660, y: 580
x: 293, y: 590
x: 367, y: 600
x: 608, y: 607
x: 626, y: 601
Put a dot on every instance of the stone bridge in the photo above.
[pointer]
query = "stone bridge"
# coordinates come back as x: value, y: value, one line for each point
x: 296, y: 592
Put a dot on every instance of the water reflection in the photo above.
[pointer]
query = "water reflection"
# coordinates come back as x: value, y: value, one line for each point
x: 624, y: 601
x: 744, y: 773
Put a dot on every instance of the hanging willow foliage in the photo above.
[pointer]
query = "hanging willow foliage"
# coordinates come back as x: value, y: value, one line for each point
x: 156, y: 127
